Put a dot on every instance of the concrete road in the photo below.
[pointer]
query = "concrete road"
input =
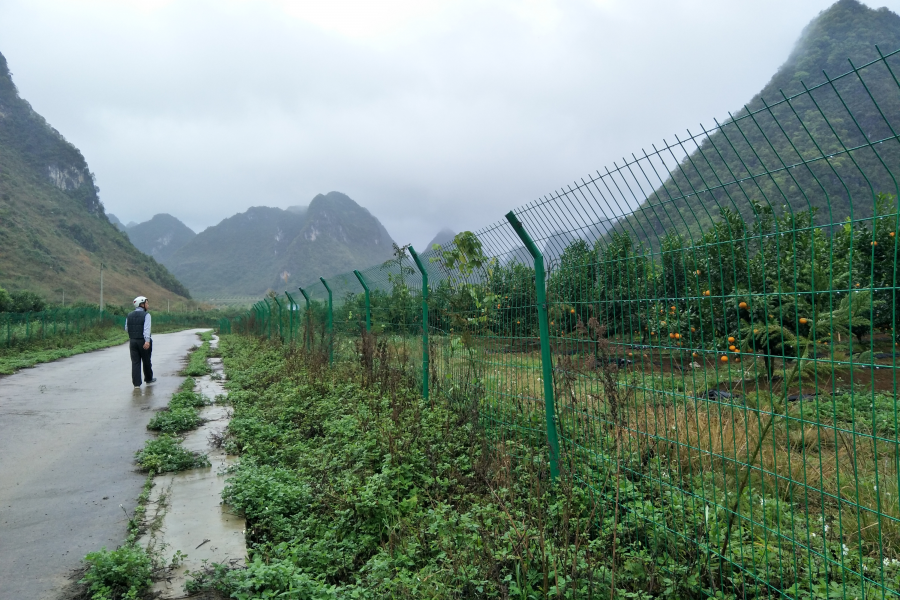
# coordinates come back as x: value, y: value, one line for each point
x: 68, y: 434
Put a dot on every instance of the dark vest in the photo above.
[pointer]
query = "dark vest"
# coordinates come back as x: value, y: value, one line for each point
x: 134, y: 322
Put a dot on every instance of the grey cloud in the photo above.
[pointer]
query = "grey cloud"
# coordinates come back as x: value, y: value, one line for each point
x: 202, y: 109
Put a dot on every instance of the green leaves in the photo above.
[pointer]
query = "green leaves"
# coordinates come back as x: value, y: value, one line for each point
x: 165, y: 454
x: 175, y: 420
x: 123, y: 573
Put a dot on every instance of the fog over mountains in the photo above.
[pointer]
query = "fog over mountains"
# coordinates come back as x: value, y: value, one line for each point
x: 267, y: 248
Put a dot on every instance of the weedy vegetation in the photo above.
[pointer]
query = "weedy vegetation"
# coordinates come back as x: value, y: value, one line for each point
x: 353, y: 485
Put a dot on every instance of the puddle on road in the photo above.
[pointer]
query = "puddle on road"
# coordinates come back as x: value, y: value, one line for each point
x: 188, y: 505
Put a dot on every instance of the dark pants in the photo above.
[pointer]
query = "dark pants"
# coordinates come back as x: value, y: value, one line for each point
x: 138, y: 356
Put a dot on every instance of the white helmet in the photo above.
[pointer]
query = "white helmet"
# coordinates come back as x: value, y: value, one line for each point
x: 139, y: 300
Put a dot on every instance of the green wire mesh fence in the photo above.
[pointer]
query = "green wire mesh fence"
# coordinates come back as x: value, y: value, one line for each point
x: 21, y: 328
x: 17, y: 329
x: 713, y: 322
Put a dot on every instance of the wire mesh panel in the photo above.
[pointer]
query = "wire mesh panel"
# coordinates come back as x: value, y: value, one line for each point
x: 713, y: 345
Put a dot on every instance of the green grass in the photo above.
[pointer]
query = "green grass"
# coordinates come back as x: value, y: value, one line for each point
x: 165, y: 454
x: 197, y: 365
x: 42, y: 351
x: 175, y: 420
x: 360, y: 488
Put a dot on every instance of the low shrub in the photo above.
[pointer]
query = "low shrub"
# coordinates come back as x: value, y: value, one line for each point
x: 175, y: 420
x: 197, y: 366
x: 121, y: 574
x: 165, y: 454
x: 188, y: 399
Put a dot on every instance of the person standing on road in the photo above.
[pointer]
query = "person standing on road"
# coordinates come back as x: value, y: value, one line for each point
x: 137, y: 324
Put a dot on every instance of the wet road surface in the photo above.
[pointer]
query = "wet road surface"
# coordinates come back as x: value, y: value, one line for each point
x: 68, y: 434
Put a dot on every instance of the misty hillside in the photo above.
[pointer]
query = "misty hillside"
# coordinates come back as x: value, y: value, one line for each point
x: 161, y: 236
x: 270, y: 248
x: 53, y: 230
x: 783, y: 135
x: 115, y: 221
x: 442, y: 237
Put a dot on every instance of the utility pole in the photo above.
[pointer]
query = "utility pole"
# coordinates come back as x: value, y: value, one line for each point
x: 64, y: 298
x: 101, y: 288
x: 167, y: 306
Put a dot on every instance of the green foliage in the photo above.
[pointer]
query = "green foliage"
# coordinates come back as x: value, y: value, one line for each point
x: 186, y: 398
x: 349, y: 491
x: 25, y: 301
x: 5, y: 301
x: 121, y: 574
x: 165, y: 454
x: 175, y: 420
x: 197, y: 365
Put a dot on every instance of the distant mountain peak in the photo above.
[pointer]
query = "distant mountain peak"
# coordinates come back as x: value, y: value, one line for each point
x: 273, y: 248
x: 442, y: 237
x: 161, y: 236
x: 713, y: 176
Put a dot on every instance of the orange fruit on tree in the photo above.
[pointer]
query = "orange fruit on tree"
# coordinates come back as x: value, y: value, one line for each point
x: 730, y: 339
x: 695, y: 355
x: 724, y: 359
x: 731, y: 347
x: 672, y: 335
x: 743, y: 305
x: 692, y: 329
x: 804, y: 321
x: 677, y: 336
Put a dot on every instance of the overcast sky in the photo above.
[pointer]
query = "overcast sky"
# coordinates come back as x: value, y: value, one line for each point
x: 429, y: 113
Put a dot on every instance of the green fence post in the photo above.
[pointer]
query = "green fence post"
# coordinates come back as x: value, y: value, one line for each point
x: 291, y: 309
x: 28, y: 326
x: 368, y: 304
x: 260, y: 324
x: 308, y: 335
x: 544, y: 327
x: 279, y: 317
x: 329, y: 324
x: 424, y: 321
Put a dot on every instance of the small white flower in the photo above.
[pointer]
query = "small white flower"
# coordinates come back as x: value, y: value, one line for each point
x: 846, y: 549
x: 826, y: 529
x: 812, y: 534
